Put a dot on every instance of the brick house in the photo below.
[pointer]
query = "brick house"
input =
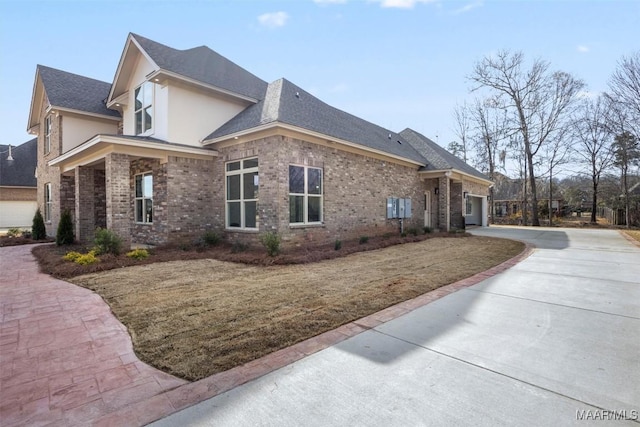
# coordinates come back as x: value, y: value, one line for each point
x: 184, y: 141
x: 18, y: 184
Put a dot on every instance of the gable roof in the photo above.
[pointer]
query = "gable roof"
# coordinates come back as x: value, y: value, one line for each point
x: 286, y: 103
x: 75, y: 92
x: 202, y: 65
x: 437, y: 157
x: 19, y: 172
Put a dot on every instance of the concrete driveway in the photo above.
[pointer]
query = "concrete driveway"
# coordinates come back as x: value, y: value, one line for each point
x: 555, y: 340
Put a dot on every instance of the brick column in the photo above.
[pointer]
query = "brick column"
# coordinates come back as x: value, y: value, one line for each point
x: 444, y: 203
x: 118, y: 188
x: 84, y: 204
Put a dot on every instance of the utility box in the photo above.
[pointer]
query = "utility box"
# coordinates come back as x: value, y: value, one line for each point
x: 398, y: 208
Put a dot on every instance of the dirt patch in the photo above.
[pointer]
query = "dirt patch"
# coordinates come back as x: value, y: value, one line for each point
x: 198, y: 317
x: 21, y: 240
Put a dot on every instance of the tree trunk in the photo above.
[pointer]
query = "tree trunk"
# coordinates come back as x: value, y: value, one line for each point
x: 594, y: 202
x: 534, y: 198
x: 550, y: 196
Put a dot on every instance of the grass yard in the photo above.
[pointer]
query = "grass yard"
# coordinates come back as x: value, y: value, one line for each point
x: 634, y: 234
x: 199, y: 317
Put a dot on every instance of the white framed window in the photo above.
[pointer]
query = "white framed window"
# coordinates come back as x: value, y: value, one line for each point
x: 48, y: 202
x: 468, y: 206
x: 144, y: 108
x: 47, y: 134
x: 305, y: 195
x: 242, y: 194
x: 144, y: 198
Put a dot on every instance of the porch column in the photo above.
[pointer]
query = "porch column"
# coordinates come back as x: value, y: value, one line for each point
x: 84, y: 204
x: 118, y: 189
x: 485, y: 212
x: 444, y: 203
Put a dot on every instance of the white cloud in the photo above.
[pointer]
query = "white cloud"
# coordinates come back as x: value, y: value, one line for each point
x: 583, y: 49
x: 467, y: 8
x: 402, y: 4
x: 273, y: 20
x: 323, y: 2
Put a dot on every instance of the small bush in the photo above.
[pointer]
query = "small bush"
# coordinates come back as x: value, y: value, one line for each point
x: 65, y: 235
x: 26, y: 234
x: 81, y: 259
x: 412, y: 231
x: 388, y: 235
x: 138, y: 253
x: 38, y: 229
x: 211, y: 238
x: 271, y: 241
x: 427, y: 230
x: 403, y: 234
x: 88, y: 258
x: 13, y: 232
x: 238, y: 246
x: 337, y: 245
x: 71, y: 256
x: 107, y: 242
x: 364, y: 239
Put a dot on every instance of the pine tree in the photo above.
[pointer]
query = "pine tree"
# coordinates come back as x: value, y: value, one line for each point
x: 65, y: 234
x: 38, y: 230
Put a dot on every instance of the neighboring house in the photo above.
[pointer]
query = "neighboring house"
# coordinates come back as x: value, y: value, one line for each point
x: 184, y: 141
x: 508, y: 200
x: 18, y: 188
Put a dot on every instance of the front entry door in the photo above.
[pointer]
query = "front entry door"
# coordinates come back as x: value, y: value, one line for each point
x: 427, y: 209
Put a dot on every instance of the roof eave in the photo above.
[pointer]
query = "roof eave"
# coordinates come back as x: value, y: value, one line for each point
x: 123, y: 59
x: 451, y: 171
x: 281, y: 125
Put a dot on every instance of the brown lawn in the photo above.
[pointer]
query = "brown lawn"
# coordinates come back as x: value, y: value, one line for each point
x: 195, y: 318
x: 634, y: 234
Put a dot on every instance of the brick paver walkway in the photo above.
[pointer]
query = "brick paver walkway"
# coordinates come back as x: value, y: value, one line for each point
x: 66, y: 360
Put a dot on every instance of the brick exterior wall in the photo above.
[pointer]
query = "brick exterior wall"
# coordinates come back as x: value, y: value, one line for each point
x: 18, y: 194
x: 444, y: 203
x: 355, y: 190
x: 456, y: 219
x: 118, y: 195
x: 84, y: 204
x: 100, y: 198
x: 156, y: 232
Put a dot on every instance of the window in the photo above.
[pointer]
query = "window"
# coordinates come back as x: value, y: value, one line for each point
x: 242, y: 194
x: 469, y: 206
x: 48, y: 200
x: 305, y: 195
x: 144, y: 198
x: 144, y: 108
x: 47, y: 134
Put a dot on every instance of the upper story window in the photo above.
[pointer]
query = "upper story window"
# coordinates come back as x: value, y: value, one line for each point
x: 47, y: 134
x: 242, y: 194
x: 305, y: 195
x: 144, y: 108
x: 144, y: 198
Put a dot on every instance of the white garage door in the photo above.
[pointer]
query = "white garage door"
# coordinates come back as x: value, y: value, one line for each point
x: 17, y: 214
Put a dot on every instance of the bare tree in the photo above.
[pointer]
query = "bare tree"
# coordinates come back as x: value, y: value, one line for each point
x: 536, y: 100
x: 625, y: 90
x: 557, y: 152
x: 593, y: 143
x: 490, y: 127
x: 461, y: 117
x: 626, y: 150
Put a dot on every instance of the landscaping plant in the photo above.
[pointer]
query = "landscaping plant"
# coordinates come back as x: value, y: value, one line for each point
x: 107, y: 242
x: 38, y: 229
x: 271, y: 241
x: 65, y: 235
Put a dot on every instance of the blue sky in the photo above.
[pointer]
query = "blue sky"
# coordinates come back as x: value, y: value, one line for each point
x: 397, y: 63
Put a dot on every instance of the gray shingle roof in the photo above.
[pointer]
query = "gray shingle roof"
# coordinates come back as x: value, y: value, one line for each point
x: 206, y: 66
x: 67, y: 90
x: 21, y: 171
x: 287, y: 103
x: 437, y: 157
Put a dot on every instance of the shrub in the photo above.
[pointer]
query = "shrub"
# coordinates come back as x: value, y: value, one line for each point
x: 427, y: 230
x: 38, y: 229
x: 138, y: 253
x: 107, y: 242
x: 271, y: 241
x: 88, y: 258
x: 413, y: 231
x: 65, y: 235
x: 81, y: 259
x: 364, y: 239
x: 238, y: 246
x: 26, y: 234
x: 337, y: 245
x: 13, y: 232
x: 71, y: 256
x: 211, y: 238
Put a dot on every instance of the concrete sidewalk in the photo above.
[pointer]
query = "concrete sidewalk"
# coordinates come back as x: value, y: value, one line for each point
x: 554, y: 340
